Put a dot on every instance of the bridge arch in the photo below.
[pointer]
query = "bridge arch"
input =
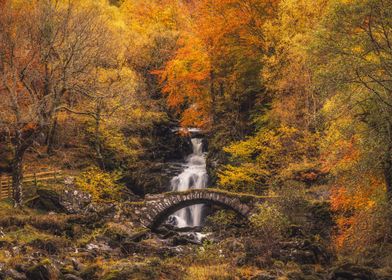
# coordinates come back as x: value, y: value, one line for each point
x: 158, y: 208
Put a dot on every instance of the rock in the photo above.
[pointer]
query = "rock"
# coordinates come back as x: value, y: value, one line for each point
x: 184, y: 239
x: 68, y: 200
x: 320, y: 218
x: 71, y: 277
x: 46, y: 245
x: 296, y: 231
x: 15, y: 275
x: 351, y: 272
x: 263, y: 276
x: 5, y: 244
x: 101, y: 248
x: 302, y: 252
x: 43, y: 271
x: 78, y: 266
x: 90, y: 272
x: 118, y: 232
x: 188, y: 229
x: 153, y: 175
x: 295, y: 275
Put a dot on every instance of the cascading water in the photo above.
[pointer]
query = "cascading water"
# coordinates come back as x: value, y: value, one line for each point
x: 194, y: 176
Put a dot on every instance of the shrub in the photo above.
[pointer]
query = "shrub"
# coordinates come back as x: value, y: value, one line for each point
x: 101, y: 185
x: 269, y: 222
x: 214, y: 272
x: 221, y: 219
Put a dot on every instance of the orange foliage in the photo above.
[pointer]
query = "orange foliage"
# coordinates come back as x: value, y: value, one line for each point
x: 354, y: 207
x: 205, y: 40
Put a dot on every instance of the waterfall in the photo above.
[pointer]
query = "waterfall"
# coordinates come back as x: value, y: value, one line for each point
x: 194, y: 176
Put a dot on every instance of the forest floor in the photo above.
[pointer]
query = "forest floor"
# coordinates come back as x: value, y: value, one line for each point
x: 102, y: 242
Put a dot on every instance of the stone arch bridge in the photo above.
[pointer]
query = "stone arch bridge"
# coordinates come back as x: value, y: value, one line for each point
x: 157, y: 208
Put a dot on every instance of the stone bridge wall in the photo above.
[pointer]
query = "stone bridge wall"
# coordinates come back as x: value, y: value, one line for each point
x: 156, y: 208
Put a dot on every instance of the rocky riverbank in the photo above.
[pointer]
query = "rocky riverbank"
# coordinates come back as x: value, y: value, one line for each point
x: 57, y: 238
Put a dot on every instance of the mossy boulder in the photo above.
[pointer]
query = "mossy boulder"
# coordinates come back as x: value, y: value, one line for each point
x: 45, y: 270
x: 52, y: 246
x: 350, y: 271
x: 65, y: 200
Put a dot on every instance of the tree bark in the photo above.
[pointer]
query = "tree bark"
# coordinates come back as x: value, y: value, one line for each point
x: 51, y: 136
x: 212, y: 93
x: 388, y: 177
x: 97, y: 139
x: 17, y: 171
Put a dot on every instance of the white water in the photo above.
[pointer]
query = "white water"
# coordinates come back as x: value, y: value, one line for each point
x: 194, y: 176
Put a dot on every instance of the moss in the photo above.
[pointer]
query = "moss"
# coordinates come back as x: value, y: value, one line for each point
x: 91, y: 272
x: 24, y: 235
x: 52, y: 245
x: 43, y: 270
x: 120, y: 232
x: 89, y: 237
x: 243, y: 196
x: 150, y: 268
x: 218, y: 272
x: 136, y: 203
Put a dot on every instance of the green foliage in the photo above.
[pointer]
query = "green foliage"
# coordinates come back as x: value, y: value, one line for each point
x: 223, y: 218
x: 272, y: 155
x: 209, y: 253
x: 270, y: 222
x: 356, y: 80
x: 101, y: 185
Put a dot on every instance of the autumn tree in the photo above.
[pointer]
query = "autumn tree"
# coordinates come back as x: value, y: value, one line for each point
x: 213, y: 59
x: 355, y: 41
x: 47, y: 49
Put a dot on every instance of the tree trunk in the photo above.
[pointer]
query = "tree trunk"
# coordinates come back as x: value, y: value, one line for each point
x: 97, y: 139
x: 388, y: 177
x: 51, y: 136
x: 17, y: 172
x: 212, y: 93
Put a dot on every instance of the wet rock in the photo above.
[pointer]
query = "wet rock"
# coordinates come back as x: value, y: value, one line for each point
x: 351, y: 272
x: 183, y: 239
x: 169, y: 228
x: 188, y: 229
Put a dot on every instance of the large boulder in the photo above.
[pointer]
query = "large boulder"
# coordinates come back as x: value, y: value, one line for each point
x: 302, y: 251
x: 66, y: 200
x: 350, y: 271
x: 43, y: 271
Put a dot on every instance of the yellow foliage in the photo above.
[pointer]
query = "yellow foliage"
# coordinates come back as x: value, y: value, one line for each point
x: 283, y: 153
x: 206, y: 272
x: 101, y: 185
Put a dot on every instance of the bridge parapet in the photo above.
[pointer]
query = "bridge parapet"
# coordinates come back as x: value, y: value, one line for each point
x: 156, y: 208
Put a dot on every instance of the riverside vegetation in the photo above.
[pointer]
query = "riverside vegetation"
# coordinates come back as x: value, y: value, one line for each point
x: 290, y: 99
